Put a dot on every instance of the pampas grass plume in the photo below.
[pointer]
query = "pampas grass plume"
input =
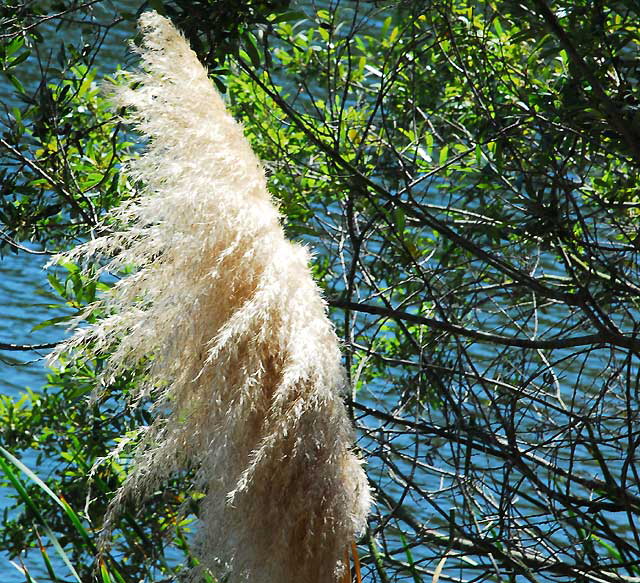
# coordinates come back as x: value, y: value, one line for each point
x: 222, y: 315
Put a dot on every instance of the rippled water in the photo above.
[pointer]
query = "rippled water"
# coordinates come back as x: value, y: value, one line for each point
x: 24, y: 302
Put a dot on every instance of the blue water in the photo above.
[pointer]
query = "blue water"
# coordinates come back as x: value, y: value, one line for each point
x: 24, y: 302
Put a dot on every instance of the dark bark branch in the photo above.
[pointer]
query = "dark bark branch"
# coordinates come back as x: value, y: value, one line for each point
x: 412, y: 210
x: 522, y: 560
x: 586, y: 340
x: 27, y: 347
x: 54, y: 183
x: 500, y: 448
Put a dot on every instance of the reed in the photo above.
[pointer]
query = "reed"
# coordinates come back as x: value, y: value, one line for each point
x: 224, y: 319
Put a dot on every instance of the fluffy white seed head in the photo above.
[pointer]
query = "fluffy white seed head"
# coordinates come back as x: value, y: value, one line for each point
x: 223, y: 316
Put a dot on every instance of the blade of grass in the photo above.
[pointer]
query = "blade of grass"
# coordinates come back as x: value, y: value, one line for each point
x: 104, y: 572
x: 75, y: 520
x: 70, y: 512
x: 23, y: 571
x: 412, y: 564
x: 45, y: 558
x: 377, y: 558
x: 439, y: 567
x: 22, y: 491
x: 33, y: 477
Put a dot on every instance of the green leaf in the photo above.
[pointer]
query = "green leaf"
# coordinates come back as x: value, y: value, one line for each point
x: 251, y: 47
x: 399, y: 219
x: 19, y: 59
x: 52, y: 322
x: 55, y: 283
x: 26, y: 498
x: 15, y: 45
x: 16, y: 83
x: 220, y: 84
x: 444, y: 154
x: 533, y: 53
x: 288, y: 16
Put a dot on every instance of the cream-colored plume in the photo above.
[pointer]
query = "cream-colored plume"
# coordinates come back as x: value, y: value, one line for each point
x: 223, y: 317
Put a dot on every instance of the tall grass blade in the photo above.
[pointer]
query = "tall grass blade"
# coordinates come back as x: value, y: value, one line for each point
x: 24, y: 495
x: 46, y: 559
x: 23, y: 571
x: 60, y: 501
x: 410, y: 560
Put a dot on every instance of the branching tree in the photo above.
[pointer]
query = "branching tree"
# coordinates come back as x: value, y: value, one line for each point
x: 466, y: 174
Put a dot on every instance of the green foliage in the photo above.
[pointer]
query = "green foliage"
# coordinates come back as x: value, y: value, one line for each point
x: 218, y: 29
x: 61, y: 152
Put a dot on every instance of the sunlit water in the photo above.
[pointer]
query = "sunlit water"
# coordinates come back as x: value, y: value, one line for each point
x: 25, y: 301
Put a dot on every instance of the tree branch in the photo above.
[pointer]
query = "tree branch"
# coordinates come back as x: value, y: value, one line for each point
x: 586, y: 340
x: 27, y: 347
